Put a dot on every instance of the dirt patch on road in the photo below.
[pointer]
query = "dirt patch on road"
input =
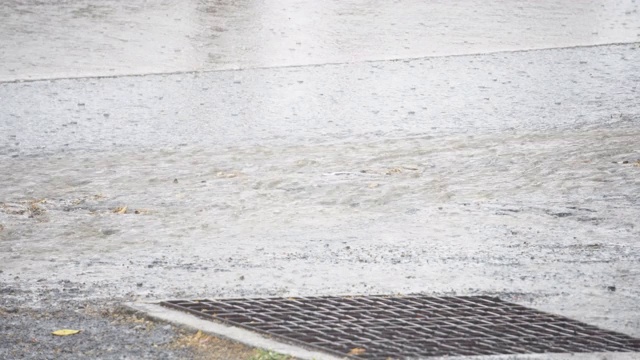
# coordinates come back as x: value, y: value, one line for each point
x: 207, y: 347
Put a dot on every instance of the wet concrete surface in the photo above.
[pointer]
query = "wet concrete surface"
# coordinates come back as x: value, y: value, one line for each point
x: 52, y: 39
x: 514, y: 174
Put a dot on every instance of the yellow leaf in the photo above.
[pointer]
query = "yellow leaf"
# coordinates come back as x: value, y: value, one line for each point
x: 120, y: 210
x: 357, y: 351
x: 65, y: 332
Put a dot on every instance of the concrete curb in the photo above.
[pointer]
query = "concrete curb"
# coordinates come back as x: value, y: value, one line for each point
x: 240, y: 335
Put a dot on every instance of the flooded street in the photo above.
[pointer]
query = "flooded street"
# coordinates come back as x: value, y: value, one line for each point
x: 214, y: 150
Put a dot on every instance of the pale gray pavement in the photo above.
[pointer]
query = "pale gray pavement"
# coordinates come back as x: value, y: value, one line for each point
x: 50, y: 39
x: 319, y: 166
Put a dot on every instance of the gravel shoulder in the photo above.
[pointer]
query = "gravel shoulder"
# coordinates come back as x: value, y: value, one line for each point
x: 107, y: 331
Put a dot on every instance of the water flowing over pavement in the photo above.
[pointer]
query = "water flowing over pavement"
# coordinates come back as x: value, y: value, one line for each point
x: 319, y: 166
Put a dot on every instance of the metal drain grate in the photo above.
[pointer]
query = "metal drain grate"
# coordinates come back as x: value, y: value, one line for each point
x: 382, y: 327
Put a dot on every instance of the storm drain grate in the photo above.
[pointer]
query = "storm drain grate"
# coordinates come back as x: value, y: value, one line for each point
x: 382, y: 327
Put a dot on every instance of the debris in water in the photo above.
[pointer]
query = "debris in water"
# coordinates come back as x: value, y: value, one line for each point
x: 393, y: 171
x: 35, y: 210
x: 227, y: 175
x: 593, y: 246
x: 120, y: 210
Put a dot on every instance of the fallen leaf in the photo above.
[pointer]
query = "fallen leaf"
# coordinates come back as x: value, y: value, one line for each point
x: 357, y: 351
x: 65, y: 332
x: 637, y: 163
x: 120, y: 210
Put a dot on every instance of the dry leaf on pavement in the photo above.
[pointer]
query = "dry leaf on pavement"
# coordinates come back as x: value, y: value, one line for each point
x: 65, y: 332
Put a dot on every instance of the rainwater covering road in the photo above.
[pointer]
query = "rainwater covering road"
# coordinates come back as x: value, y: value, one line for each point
x: 339, y: 157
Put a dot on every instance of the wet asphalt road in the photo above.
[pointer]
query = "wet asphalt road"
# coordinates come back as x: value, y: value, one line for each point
x: 262, y: 157
x: 47, y: 39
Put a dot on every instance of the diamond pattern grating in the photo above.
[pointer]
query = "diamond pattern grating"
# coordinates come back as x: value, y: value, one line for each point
x: 383, y: 327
